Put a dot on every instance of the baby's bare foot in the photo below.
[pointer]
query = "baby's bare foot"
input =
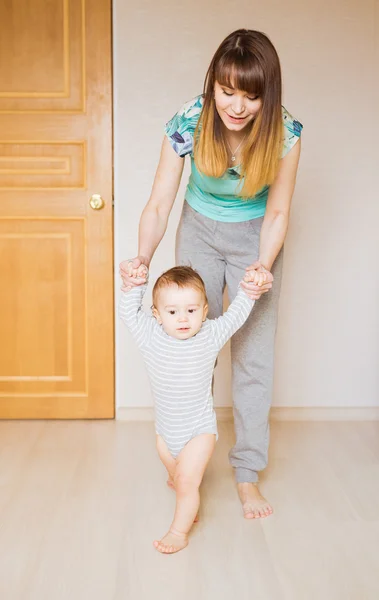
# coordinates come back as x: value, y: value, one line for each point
x: 254, y: 505
x: 172, y: 542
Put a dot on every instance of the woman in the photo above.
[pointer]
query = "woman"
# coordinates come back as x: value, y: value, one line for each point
x: 244, y: 149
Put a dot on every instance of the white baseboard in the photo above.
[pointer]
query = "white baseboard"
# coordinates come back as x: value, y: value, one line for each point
x: 278, y: 413
x: 324, y: 413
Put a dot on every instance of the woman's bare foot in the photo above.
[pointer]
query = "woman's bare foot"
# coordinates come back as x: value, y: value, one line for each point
x: 254, y: 505
x: 172, y: 542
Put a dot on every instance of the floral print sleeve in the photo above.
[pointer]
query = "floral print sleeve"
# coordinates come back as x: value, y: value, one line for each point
x: 292, y: 131
x: 180, y: 129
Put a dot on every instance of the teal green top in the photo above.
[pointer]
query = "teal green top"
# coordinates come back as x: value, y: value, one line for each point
x: 218, y: 197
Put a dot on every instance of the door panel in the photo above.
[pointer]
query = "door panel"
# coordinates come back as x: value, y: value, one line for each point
x: 56, y: 258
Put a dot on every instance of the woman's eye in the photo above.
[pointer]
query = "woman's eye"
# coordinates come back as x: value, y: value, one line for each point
x: 252, y: 99
x: 227, y: 93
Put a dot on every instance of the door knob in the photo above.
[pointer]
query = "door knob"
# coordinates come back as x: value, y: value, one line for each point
x: 96, y: 202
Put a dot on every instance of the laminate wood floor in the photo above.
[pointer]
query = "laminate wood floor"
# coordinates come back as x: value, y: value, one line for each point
x: 81, y: 502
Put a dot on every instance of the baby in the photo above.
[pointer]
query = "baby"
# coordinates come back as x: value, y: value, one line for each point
x: 180, y: 346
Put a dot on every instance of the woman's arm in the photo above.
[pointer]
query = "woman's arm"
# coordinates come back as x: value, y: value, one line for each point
x: 275, y: 222
x: 154, y: 218
x: 155, y: 215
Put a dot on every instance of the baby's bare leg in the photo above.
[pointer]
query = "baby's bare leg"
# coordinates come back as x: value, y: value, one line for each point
x: 170, y: 463
x: 190, y: 467
x: 167, y: 459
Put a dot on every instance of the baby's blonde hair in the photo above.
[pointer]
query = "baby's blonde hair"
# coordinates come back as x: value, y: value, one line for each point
x: 183, y: 277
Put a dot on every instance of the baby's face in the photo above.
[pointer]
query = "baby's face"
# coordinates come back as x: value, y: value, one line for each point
x: 180, y: 311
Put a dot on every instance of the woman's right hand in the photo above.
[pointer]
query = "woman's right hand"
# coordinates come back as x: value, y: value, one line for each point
x: 134, y: 272
x: 257, y: 281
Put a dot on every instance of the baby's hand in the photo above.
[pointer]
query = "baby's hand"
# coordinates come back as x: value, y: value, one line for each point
x: 258, y: 278
x: 128, y: 271
x: 257, y: 281
x: 139, y: 272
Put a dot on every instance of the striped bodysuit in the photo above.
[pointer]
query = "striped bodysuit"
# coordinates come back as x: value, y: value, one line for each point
x: 181, y: 371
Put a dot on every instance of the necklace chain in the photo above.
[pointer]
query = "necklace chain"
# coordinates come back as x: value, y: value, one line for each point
x: 233, y: 154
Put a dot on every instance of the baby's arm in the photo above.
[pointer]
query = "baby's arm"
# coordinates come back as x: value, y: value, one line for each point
x: 132, y: 314
x: 225, y: 326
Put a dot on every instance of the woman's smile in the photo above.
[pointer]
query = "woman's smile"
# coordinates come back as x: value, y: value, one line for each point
x: 236, y: 119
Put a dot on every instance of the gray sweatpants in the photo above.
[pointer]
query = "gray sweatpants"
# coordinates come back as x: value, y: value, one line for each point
x: 220, y: 252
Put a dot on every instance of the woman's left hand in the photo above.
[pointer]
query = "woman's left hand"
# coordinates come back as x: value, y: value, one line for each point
x: 262, y: 276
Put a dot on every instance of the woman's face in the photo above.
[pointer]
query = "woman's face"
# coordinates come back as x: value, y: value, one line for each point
x: 235, y: 107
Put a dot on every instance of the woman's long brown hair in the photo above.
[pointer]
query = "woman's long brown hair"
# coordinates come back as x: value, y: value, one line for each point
x: 245, y: 60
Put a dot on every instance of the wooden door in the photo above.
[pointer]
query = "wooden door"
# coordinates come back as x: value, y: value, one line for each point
x: 56, y: 280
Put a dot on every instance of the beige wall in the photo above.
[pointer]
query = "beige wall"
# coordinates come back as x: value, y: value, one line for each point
x: 328, y: 335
